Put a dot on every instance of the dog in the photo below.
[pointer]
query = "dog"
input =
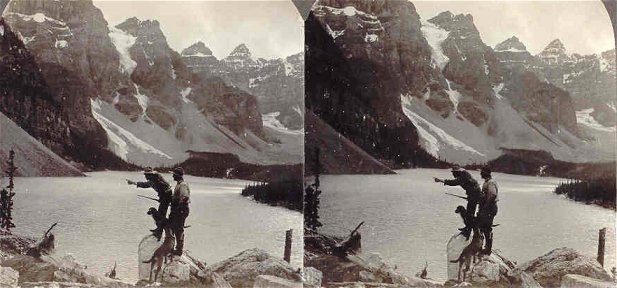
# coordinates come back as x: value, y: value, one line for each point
x: 469, y: 253
x: 159, y: 220
x: 160, y: 254
x: 468, y: 220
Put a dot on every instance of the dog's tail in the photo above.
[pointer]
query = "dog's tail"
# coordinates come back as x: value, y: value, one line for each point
x: 457, y: 260
x: 150, y: 260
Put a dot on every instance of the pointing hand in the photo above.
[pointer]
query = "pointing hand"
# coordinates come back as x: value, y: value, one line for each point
x: 130, y: 182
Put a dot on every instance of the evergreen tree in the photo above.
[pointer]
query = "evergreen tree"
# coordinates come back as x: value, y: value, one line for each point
x: 311, y: 198
x: 6, y: 196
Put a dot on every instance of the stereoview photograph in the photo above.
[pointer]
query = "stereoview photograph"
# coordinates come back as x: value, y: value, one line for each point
x: 151, y: 143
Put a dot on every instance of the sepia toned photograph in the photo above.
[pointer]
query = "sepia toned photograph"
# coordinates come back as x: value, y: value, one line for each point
x: 151, y: 143
x: 460, y: 143
x: 308, y: 143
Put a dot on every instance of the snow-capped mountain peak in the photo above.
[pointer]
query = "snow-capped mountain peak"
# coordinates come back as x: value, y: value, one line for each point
x: 554, y: 53
x: 198, y: 49
x: 241, y: 51
x: 512, y: 44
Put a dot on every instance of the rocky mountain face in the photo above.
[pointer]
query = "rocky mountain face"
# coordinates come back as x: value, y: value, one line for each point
x: 127, y: 95
x: 589, y: 79
x: 277, y: 83
x: 26, y: 98
x: 69, y: 48
x: 391, y: 82
x: 361, y: 56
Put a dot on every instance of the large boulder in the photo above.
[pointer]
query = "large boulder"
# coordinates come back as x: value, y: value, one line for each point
x: 578, y: 281
x: 145, y: 249
x: 8, y: 277
x: 455, y: 246
x: 51, y: 268
x: 241, y: 270
x: 311, y: 277
x: 549, y: 269
x: 491, y: 270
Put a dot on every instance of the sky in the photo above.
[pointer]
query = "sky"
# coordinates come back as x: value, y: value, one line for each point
x: 270, y: 29
x: 583, y: 27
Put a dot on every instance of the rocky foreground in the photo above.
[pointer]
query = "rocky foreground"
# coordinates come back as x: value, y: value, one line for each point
x: 250, y: 268
x: 561, y: 267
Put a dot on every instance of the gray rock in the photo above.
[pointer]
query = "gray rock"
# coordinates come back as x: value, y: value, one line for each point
x: 241, y: 270
x: 51, y: 268
x: 311, y: 277
x: 528, y: 282
x: 455, y: 246
x: 146, y: 247
x: 579, y: 281
x: 8, y: 277
x: 550, y: 268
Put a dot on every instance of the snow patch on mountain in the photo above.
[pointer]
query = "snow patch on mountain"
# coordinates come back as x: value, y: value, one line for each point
x: 123, y: 42
x: 604, y: 64
x: 454, y: 95
x: 583, y: 117
x: 457, y: 140
x: 37, y: 17
x: 141, y: 99
x: 270, y: 121
x: 122, y: 141
x: 185, y: 93
x: 61, y: 44
x: 334, y: 34
x: 513, y: 50
x: 435, y: 37
x: 370, y: 38
x: 443, y: 137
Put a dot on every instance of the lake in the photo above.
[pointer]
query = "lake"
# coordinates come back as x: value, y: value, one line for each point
x: 409, y: 219
x: 101, y: 220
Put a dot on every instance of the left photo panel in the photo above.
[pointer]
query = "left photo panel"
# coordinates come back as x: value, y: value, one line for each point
x: 151, y: 142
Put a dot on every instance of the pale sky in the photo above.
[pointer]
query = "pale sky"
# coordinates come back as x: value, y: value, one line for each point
x: 582, y: 26
x: 270, y: 29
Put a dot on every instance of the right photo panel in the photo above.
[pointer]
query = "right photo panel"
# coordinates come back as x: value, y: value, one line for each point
x: 454, y: 143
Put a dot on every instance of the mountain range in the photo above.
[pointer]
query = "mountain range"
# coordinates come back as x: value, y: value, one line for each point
x: 412, y: 91
x: 118, y: 96
x: 383, y: 88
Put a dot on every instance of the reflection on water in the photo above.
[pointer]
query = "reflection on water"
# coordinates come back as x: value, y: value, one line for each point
x: 101, y: 220
x: 409, y: 219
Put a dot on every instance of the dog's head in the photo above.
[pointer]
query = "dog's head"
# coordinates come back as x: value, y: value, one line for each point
x: 152, y: 211
x: 460, y: 210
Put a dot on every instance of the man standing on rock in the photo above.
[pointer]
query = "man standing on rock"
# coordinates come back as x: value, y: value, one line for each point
x: 179, y: 208
x: 488, y: 208
x: 162, y: 188
x: 472, y: 189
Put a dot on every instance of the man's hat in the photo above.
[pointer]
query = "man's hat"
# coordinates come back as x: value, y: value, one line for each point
x: 149, y: 170
x: 457, y: 168
x: 178, y: 171
x: 486, y: 169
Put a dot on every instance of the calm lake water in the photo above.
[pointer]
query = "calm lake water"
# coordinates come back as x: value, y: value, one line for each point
x: 409, y: 219
x: 101, y: 220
